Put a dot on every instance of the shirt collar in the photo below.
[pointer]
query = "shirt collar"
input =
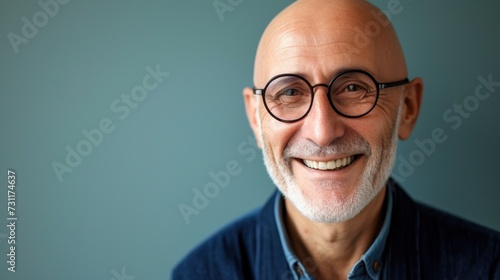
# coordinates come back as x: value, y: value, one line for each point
x: 370, y: 263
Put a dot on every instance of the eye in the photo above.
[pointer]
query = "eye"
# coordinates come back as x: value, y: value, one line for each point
x: 354, y: 88
x: 290, y: 92
x: 291, y: 96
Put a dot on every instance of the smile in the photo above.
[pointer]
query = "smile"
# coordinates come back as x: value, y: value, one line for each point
x: 329, y: 165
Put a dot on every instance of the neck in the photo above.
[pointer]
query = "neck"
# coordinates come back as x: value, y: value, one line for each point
x: 329, y: 251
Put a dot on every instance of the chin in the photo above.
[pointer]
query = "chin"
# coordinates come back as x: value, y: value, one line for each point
x: 326, y: 206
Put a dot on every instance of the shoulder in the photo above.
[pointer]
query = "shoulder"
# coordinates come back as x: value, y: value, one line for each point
x: 460, y: 247
x: 229, y: 253
x: 435, y: 219
x: 457, y: 234
x: 438, y: 223
x: 443, y: 243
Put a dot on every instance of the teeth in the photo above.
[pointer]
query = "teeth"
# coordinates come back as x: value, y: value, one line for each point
x: 322, y: 165
x: 328, y: 165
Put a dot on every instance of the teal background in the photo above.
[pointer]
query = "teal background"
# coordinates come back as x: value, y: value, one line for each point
x: 117, y: 213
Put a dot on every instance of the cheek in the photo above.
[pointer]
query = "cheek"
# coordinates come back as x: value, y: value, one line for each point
x: 277, y: 134
x: 377, y: 126
x: 376, y: 129
x: 387, y: 108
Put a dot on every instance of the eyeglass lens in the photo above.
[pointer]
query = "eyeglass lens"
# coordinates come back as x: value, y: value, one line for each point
x: 290, y: 97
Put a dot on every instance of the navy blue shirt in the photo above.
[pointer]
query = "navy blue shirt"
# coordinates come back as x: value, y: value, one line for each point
x: 422, y: 243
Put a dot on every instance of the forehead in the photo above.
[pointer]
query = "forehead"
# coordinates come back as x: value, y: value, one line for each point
x: 317, y: 50
x: 316, y: 38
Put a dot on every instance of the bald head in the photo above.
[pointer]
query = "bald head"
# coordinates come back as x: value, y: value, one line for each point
x: 319, y: 37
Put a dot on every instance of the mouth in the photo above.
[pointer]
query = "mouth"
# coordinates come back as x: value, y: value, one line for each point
x: 331, y: 165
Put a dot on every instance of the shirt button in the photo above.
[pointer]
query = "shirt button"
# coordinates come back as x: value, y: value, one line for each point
x: 376, y: 266
x: 298, y: 269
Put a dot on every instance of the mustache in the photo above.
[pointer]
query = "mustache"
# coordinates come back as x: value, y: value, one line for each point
x: 341, y: 146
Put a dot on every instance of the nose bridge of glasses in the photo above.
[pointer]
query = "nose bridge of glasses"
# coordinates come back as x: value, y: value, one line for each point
x: 313, y: 89
x: 319, y: 85
x: 325, y: 98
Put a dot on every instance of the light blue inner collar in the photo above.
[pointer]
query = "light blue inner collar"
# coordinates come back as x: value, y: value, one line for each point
x: 369, y: 266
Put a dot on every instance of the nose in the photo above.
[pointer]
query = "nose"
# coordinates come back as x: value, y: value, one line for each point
x: 322, y: 125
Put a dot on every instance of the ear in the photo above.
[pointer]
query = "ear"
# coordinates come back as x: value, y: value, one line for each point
x: 251, y: 106
x: 411, y: 107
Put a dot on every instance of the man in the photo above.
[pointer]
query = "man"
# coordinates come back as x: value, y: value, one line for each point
x: 327, y: 110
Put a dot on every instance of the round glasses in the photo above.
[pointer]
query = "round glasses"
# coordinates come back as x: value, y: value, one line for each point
x: 352, y: 94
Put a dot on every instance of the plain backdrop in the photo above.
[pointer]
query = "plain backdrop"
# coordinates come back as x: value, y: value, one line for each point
x: 113, y: 211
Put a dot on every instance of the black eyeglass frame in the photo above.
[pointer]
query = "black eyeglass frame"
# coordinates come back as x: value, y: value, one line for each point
x: 378, y: 86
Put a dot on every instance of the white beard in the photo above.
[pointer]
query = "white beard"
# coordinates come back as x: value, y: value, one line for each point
x: 323, y: 210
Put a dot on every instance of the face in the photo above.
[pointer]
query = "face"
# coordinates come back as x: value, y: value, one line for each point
x: 327, y: 191
x: 328, y: 166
